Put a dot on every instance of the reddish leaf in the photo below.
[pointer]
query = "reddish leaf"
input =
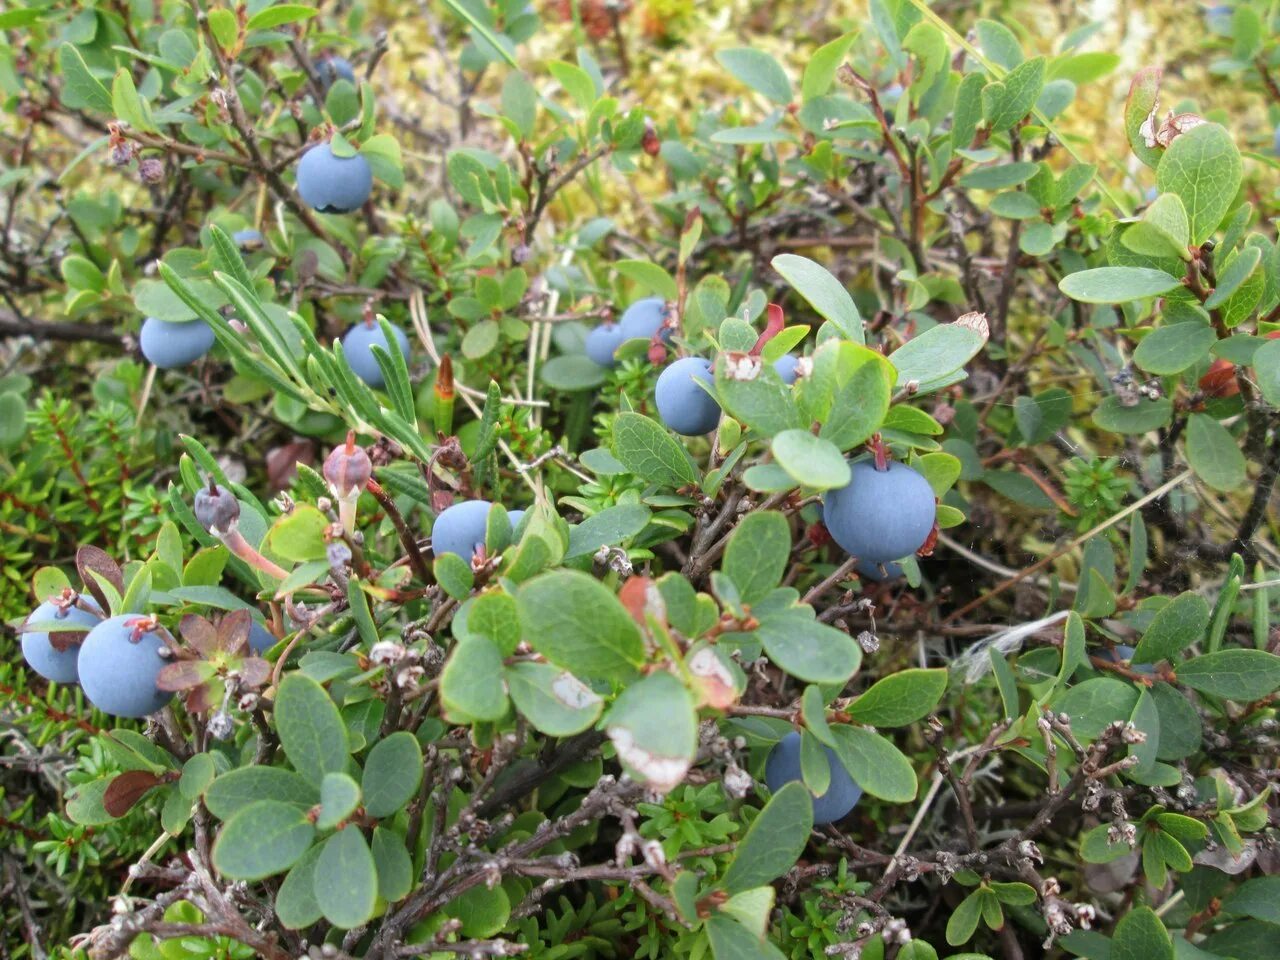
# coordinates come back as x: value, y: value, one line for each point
x: 126, y: 790
x: 64, y: 640
x: 200, y: 634
x: 640, y: 596
x: 199, y: 699
x: 772, y: 328
x: 254, y: 671
x: 183, y: 675
x: 91, y: 560
x: 233, y: 631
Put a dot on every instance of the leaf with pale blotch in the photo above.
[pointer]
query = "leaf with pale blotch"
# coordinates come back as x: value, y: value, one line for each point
x: 552, y: 699
x: 1139, y: 110
x: 657, y: 754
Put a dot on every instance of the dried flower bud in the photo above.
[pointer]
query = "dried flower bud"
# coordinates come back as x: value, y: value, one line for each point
x: 151, y: 170
x: 737, y: 782
x: 387, y: 651
x: 216, y: 508
x: 122, y: 154
x: 221, y: 725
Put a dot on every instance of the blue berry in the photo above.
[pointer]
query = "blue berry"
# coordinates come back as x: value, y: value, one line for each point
x: 785, y: 366
x: 169, y: 345
x: 603, y: 341
x: 869, y: 570
x: 331, y: 69
x: 783, y: 766
x: 1122, y: 653
x: 40, y: 653
x: 260, y: 638
x: 1275, y: 141
x: 248, y: 239
x: 358, y: 346
x: 333, y: 184
x: 118, y: 674
x: 642, y: 319
x: 882, y: 514
x: 684, y: 406
x: 460, y: 529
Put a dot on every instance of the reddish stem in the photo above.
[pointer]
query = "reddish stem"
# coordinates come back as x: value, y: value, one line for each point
x: 881, y: 453
x: 771, y: 329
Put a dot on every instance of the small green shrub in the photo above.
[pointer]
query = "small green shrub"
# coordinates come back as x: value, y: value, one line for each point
x: 466, y: 623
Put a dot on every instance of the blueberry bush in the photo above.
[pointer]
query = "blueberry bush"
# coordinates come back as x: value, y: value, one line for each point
x: 595, y: 479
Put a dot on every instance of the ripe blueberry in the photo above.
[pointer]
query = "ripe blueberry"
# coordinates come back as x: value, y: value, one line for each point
x: 870, y: 570
x: 170, y: 345
x: 603, y: 341
x: 460, y: 529
x: 1275, y: 141
x: 119, y: 663
x: 331, y: 69
x: 358, y: 346
x: 783, y: 766
x: 248, y: 239
x: 642, y: 319
x: 785, y: 366
x: 40, y: 653
x: 333, y: 184
x: 684, y: 406
x: 882, y: 514
x: 1122, y: 653
x: 260, y: 638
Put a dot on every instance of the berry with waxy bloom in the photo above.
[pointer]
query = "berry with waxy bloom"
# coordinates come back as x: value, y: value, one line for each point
x: 783, y: 766
x: 333, y: 184
x: 882, y: 514
x: 52, y: 653
x: 120, y: 661
x: 683, y: 405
